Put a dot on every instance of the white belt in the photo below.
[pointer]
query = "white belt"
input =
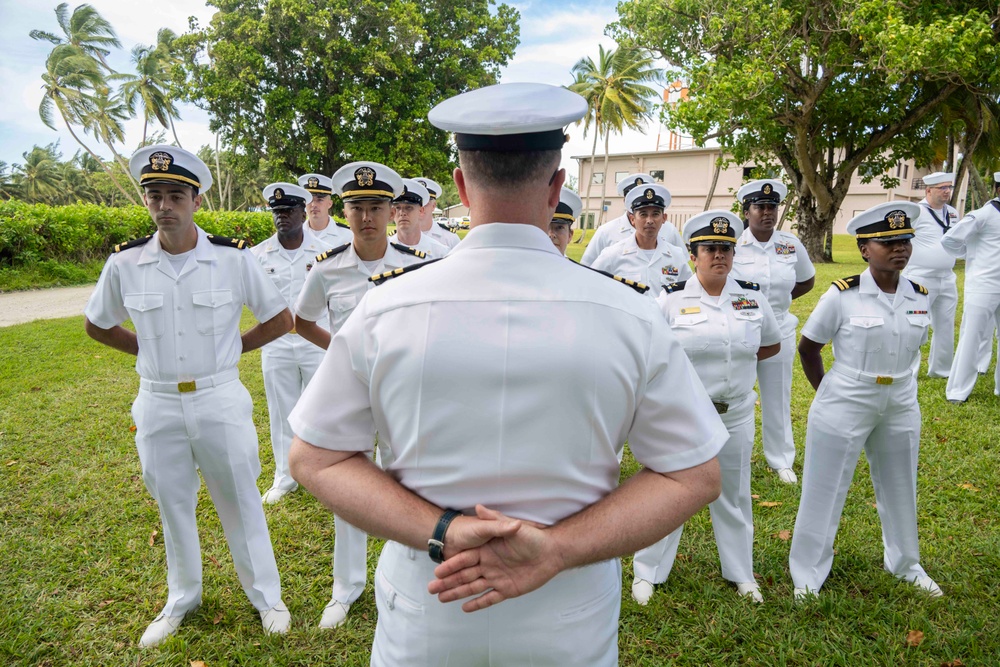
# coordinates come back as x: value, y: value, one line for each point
x: 190, y: 385
x: 873, y: 378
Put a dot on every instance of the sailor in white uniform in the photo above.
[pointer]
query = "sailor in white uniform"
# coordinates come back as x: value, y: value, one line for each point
x: 435, y: 230
x: 877, y: 322
x: 408, y: 209
x: 725, y: 326
x: 330, y: 233
x: 561, y: 225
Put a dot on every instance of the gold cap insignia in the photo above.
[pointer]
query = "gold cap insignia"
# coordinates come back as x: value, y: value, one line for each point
x: 422, y: 182
x: 720, y: 225
x: 649, y: 193
x: 278, y: 193
x: 767, y: 189
x: 896, y: 219
x: 365, y: 176
x: 638, y: 181
x: 313, y: 182
x: 160, y: 161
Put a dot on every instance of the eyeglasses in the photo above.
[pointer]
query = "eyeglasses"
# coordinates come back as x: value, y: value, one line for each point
x: 942, y: 187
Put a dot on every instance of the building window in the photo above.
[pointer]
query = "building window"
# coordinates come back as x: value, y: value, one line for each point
x: 906, y: 171
x: 597, y: 177
x: 657, y: 175
x: 587, y: 220
x: 619, y: 175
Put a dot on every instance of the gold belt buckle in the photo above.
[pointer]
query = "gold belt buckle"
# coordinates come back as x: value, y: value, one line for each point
x: 293, y: 331
x: 185, y: 387
x: 883, y: 379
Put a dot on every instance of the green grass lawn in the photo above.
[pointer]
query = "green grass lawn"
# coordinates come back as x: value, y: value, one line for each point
x: 82, y: 564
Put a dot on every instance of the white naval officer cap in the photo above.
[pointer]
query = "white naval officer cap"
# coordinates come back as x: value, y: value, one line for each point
x: 889, y: 221
x: 715, y: 226
x: 510, y: 117
x: 765, y: 190
x: 413, y: 193
x: 939, y: 177
x: 171, y: 165
x: 996, y: 177
x: 632, y: 180
x: 358, y: 181
x: 648, y: 194
x: 318, y: 184
x: 432, y: 186
x: 281, y: 196
x: 569, y: 207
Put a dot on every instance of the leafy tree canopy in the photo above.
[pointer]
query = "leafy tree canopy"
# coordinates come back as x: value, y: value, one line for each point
x: 315, y: 84
x: 825, y: 87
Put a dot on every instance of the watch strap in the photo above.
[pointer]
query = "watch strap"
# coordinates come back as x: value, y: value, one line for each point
x: 435, y: 545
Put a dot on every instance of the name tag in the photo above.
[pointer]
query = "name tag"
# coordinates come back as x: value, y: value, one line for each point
x: 743, y: 303
x: 691, y: 311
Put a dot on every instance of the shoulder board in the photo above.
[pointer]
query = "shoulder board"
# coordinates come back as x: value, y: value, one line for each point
x: 239, y: 244
x: 388, y: 275
x: 918, y: 288
x: 340, y: 224
x: 847, y: 283
x: 408, y: 250
x: 746, y: 284
x: 677, y: 287
x: 330, y: 253
x: 444, y: 227
x: 132, y: 244
x: 637, y: 286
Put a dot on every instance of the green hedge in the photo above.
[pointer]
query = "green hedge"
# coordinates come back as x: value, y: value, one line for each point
x: 79, y: 233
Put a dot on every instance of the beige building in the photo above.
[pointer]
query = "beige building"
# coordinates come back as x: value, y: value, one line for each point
x: 687, y: 173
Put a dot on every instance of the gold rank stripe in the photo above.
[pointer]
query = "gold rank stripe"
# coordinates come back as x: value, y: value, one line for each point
x: 389, y: 274
x: 367, y: 193
x: 563, y: 216
x: 630, y: 282
x: 891, y: 232
x: 319, y: 191
x: 170, y: 177
x: 727, y: 239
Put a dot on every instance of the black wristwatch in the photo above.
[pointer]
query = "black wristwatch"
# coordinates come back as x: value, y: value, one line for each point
x: 435, y: 545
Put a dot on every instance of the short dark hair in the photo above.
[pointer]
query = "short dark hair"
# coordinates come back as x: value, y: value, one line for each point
x: 492, y: 169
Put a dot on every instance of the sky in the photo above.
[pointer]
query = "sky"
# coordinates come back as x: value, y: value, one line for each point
x: 554, y: 36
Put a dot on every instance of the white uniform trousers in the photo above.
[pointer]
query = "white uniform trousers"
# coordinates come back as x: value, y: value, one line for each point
x: 848, y: 415
x: 942, y: 298
x: 287, y: 370
x: 211, y: 429
x: 774, y: 379
x: 571, y: 620
x: 732, y: 511
x: 978, y: 320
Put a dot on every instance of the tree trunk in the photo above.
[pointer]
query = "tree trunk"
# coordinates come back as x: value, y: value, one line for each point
x: 813, y: 230
x: 789, y: 205
x: 715, y: 181
x: 981, y: 191
x: 604, y: 181
x: 951, y: 150
x: 94, y: 155
x: 593, y: 153
x: 174, y: 130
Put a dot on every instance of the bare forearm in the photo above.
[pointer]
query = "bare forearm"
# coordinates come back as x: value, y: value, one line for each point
x: 803, y: 287
x: 810, y: 354
x: 117, y: 337
x: 312, y: 332
x: 264, y: 332
x: 768, y: 351
x: 640, y: 512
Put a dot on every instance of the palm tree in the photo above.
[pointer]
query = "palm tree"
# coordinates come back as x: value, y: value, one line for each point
x: 148, y: 87
x: 106, y: 119
x: 85, y: 30
x: 616, y: 92
x: 39, y: 178
x: 69, y: 80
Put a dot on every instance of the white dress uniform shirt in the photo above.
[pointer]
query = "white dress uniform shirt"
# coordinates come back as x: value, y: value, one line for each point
x: 433, y: 249
x: 620, y: 229
x: 333, y: 235
x: 721, y: 336
x: 288, y: 362
x: 931, y: 266
x: 867, y: 400
x: 333, y: 289
x: 456, y: 365
x: 776, y: 266
x: 443, y: 236
x: 977, y: 235
x: 187, y: 323
x: 665, y: 265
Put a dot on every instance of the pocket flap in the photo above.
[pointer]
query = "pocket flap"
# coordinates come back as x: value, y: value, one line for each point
x: 867, y: 322
x: 689, y: 320
x: 143, y: 301
x: 212, y: 298
x: 343, y: 303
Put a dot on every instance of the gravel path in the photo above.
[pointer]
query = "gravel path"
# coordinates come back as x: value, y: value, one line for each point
x: 43, y: 304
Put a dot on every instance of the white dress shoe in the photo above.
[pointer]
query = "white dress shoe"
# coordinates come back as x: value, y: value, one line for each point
x: 276, y: 620
x: 642, y: 591
x: 274, y: 494
x: 334, y: 615
x: 787, y: 475
x: 803, y: 594
x: 750, y: 590
x: 162, y: 627
x: 929, y: 586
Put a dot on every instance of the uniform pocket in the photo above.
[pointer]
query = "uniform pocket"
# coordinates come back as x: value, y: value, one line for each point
x: 212, y: 310
x: 145, y: 309
x: 341, y: 308
x: 916, y: 331
x: 752, y: 321
x: 866, y: 333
